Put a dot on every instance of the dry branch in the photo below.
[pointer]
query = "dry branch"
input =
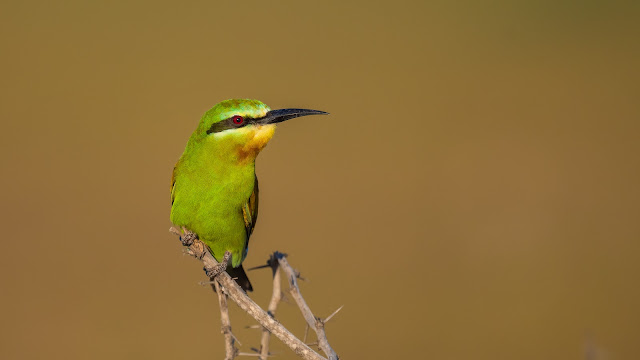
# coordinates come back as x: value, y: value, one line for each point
x: 229, y: 340
x: 276, y: 296
x: 230, y: 288
x: 314, y: 322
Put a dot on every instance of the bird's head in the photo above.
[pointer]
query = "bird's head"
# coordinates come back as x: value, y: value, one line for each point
x: 244, y: 126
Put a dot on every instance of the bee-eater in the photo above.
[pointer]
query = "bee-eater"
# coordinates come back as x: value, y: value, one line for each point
x: 214, y: 188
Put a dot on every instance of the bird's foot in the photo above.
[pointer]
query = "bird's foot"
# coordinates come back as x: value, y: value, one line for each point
x: 188, y: 237
x: 214, y: 271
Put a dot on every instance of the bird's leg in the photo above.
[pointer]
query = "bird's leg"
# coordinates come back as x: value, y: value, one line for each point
x: 188, y: 237
x: 214, y: 271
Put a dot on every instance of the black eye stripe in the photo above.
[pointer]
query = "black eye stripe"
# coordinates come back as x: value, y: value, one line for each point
x: 228, y: 123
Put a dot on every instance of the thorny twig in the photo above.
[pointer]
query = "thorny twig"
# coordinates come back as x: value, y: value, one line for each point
x: 314, y: 322
x: 276, y: 295
x: 225, y: 284
x: 229, y: 340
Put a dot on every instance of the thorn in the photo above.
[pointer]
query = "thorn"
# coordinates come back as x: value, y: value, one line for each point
x: 235, y: 338
x: 253, y: 327
x: 330, y: 316
x: 227, y: 330
x: 299, y: 276
x: 257, y: 353
x: 312, y: 344
x: 272, y: 263
x: 250, y: 354
x: 259, y: 267
x: 306, y: 332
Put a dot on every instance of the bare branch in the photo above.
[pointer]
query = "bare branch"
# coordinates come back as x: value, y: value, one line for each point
x: 230, y: 348
x: 200, y: 251
x: 314, y: 322
x: 276, y: 295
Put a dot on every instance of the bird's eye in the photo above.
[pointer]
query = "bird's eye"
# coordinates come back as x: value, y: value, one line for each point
x: 237, y: 120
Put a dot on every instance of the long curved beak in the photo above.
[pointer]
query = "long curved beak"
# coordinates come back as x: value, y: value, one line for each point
x: 276, y: 116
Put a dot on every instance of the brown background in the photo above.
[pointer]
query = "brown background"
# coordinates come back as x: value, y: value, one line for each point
x: 473, y: 195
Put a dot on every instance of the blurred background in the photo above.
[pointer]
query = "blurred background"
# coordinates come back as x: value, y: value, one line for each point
x: 487, y: 151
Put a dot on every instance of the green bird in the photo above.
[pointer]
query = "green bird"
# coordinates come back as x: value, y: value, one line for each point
x: 214, y: 188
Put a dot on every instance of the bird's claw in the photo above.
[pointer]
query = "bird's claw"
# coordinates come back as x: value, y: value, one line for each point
x: 214, y: 271
x: 188, y: 238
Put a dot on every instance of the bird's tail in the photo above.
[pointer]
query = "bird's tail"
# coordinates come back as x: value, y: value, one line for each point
x: 240, y: 277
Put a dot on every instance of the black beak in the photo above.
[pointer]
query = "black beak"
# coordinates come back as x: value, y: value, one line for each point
x: 276, y: 116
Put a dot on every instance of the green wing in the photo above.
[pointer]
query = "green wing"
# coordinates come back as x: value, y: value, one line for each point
x: 250, y: 211
x: 173, y: 183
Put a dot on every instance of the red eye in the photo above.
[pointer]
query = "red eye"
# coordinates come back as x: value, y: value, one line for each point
x: 237, y: 120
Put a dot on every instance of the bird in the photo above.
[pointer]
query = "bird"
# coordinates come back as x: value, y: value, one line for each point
x: 214, y: 188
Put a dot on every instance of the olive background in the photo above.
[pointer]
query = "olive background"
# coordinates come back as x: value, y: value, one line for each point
x: 474, y: 193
